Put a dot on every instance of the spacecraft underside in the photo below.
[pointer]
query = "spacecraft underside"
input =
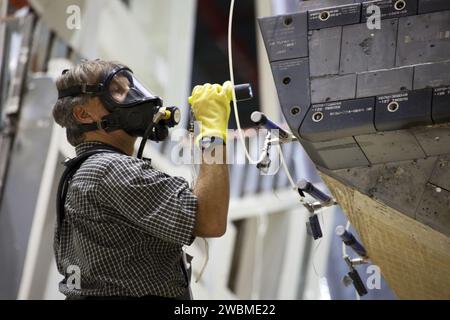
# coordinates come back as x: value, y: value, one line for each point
x: 371, y: 104
x: 365, y: 88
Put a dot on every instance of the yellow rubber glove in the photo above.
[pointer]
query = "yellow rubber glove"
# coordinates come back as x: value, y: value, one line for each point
x: 211, y: 106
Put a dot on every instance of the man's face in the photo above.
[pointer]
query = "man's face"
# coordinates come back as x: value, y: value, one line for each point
x: 94, y: 111
x: 119, y: 88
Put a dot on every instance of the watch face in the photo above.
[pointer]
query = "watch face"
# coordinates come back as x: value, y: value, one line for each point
x: 207, y: 139
x: 207, y: 142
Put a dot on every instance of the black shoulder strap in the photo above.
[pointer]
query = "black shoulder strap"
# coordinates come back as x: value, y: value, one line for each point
x: 72, y: 166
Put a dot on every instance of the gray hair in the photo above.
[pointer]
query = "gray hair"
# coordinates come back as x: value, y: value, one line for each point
x: 87, y: 72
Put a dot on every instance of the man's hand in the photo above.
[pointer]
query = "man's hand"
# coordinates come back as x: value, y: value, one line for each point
x: 211, y: 106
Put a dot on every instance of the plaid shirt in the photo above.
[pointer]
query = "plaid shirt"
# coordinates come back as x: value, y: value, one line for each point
x: 124, y: 228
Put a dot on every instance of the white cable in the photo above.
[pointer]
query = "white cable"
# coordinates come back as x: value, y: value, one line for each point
x: 205, y: 263
x: 235, y: 109
x: 347, y: 227
x: 230, y: 65
x: 261, y: 226
x: 236, y: 113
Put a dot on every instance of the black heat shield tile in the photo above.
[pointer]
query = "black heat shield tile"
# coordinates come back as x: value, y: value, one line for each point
x: 292, y: 82
x: 403, y: 110
x: 333, y: 88
x: 380, y: 82
x: 335, y: 154
x: 441, y: 174
x: 409, y: 55
x: 334, y: 16
x: 426, y: 6
x: 441, y: 105
x: 390, y: 8
x: 285, y: 36
x: 390, y: 146
x: 398, y: 184
x: 432, y: 75
x: 366, y: 50
x: 434, y: 209
x: 433, y: 140
x: 324, y: 58
x: 424, y: 38
x: 334, y: 120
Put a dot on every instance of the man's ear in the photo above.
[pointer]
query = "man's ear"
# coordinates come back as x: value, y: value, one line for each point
x: 82, y: 115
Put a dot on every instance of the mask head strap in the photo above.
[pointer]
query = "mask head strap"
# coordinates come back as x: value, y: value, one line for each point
x: 90, y: 89
x: 108, y: 123
x: 84, y: 88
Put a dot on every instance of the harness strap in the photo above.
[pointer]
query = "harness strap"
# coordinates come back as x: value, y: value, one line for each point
x: 72, y: 165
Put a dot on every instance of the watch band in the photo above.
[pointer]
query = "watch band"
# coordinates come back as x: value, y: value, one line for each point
x: 209, y: 142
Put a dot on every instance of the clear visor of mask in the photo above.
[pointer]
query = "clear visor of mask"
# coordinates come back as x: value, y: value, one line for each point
x: 125, y: 89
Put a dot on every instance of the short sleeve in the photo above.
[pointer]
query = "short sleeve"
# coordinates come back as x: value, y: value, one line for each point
x: 156, y: 203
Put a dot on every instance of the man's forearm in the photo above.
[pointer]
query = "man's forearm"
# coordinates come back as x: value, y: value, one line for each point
x: 213, y: 192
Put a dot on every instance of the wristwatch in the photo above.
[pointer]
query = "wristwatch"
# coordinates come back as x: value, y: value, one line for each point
x: 206, y: 143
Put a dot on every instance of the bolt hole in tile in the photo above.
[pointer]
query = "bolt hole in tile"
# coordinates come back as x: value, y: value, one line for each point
x: 400, y: 5
x: 393, y: 106
x: 295, y: 110
x: 317, y: 117
x: 324, y: 16
x: 288, y: 21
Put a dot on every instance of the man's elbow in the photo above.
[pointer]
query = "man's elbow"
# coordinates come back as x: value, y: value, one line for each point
x: 211, y: 230
x: 218, y: 231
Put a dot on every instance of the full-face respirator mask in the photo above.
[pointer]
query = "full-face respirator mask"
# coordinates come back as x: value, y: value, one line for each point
x: 132, y: 107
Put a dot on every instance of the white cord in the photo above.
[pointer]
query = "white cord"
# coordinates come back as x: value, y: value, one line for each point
x: 261, y: 226
x: 235, y: 109
x: 206, y: 260
x: 238, y: 123
x: 230, y: 65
